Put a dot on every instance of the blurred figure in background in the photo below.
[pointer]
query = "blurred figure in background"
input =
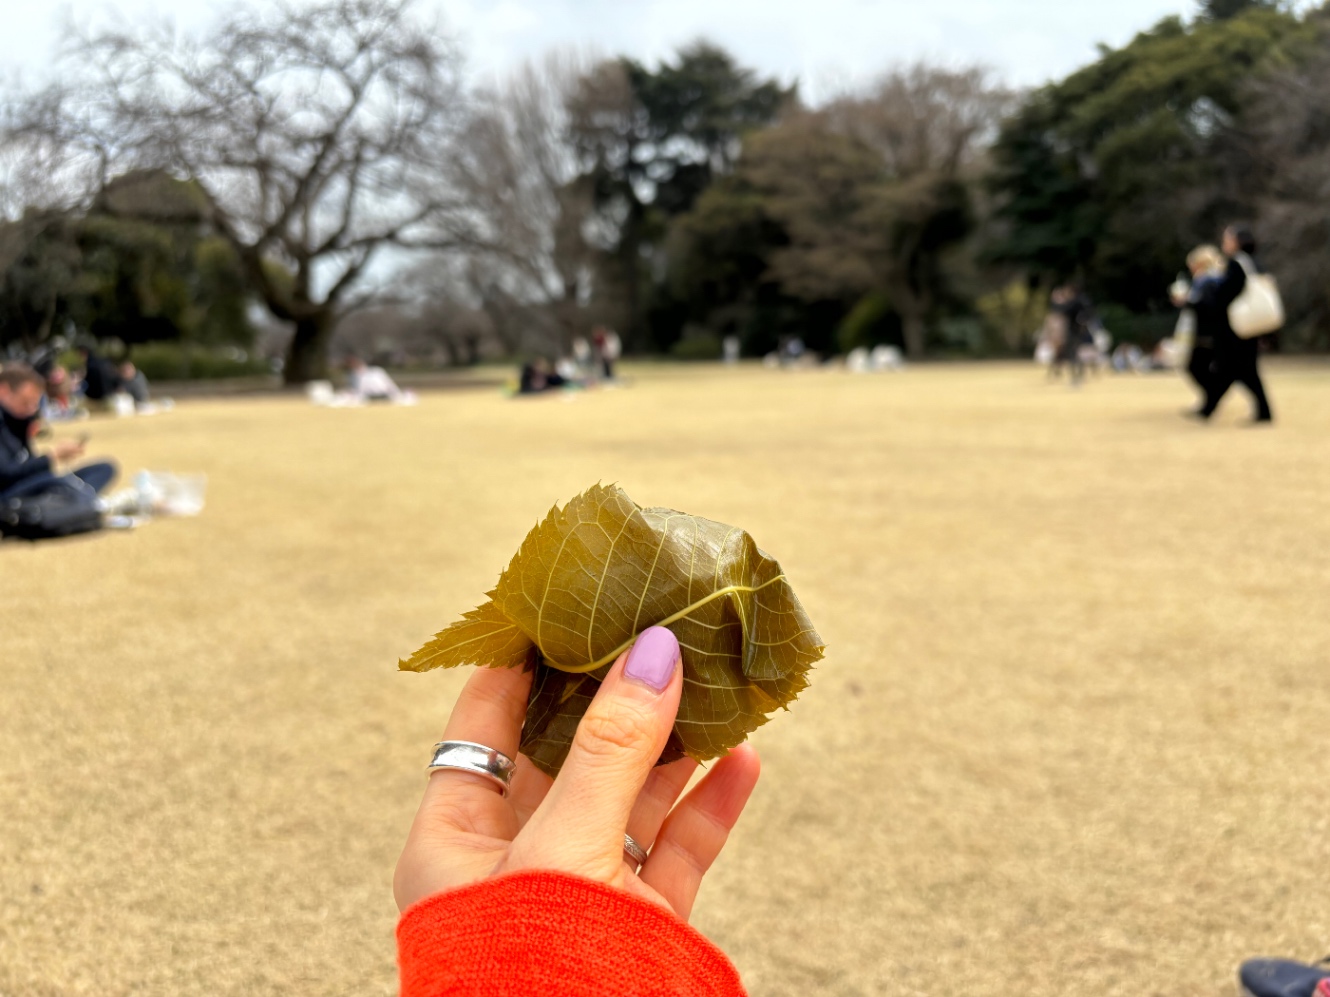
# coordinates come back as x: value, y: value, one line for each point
x: 133, y: 382
x: 60, y: 403
x: 1207, y: 266
x: 1234, y: 357
x: 1075, y: 311
x: 100, y: 379
x: 583, y: 358
x: 1051, y: 337
x: 373, y: 384
x: 537, y: 376
x: 608, y: 348
x: 23, y: 473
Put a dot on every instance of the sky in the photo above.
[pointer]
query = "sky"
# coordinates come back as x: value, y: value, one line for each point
x: 827, y: 45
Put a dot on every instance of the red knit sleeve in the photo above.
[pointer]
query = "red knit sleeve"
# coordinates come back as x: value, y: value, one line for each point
x: 554, y: 935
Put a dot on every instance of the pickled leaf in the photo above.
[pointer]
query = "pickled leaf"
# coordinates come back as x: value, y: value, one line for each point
x: 595, y: 574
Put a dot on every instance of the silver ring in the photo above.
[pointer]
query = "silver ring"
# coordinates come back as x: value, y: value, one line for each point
x: 467, y: 756
x: 634, y: 851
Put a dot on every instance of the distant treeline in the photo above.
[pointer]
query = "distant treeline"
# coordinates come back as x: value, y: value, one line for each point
x: 330, y: 170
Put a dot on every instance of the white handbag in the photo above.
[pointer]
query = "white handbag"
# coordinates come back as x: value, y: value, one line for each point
x: 1259, y: 308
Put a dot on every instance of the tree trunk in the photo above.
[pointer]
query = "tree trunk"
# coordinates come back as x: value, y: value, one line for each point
x: 472, y: 343
x: 913, y: 308
x: 630, y: 260
x: 915, y: 333
x: 307, y: 356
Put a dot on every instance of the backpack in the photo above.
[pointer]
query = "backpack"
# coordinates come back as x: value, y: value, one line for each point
x: 60, y: 511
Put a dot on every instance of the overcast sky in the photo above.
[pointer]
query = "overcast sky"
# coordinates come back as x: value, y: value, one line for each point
x: 825, y: 44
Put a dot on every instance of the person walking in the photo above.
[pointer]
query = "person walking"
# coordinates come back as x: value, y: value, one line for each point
x: 1208, y: 266
x: 1235, y: 357
x: 1074, y: 309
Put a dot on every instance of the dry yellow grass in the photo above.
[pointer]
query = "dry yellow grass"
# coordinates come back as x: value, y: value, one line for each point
x: 1072, y: 735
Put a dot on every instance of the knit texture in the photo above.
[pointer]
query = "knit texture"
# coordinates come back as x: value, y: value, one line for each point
x: 554, y: 935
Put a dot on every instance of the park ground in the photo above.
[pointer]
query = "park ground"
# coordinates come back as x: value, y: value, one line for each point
x: 1071, y: 736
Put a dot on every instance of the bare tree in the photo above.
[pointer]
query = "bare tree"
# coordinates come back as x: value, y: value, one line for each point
x: 926, y: 119
x: 315, y: 132
x: 930, y: 129
x: 534, y: 207
x: 874, y: 189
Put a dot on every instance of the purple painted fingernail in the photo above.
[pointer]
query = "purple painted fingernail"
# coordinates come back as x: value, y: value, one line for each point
x: 653, y: 658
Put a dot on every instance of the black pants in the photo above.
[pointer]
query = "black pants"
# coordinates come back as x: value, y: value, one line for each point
x: 1201, y: 367
x: 1236, y: 361
x: 96, y: 476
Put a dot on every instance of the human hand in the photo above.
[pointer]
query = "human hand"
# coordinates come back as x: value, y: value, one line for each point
x: 466, y: 831
x: 67, y: 449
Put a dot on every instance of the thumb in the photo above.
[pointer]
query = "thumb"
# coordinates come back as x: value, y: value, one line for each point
x: 580, y: 826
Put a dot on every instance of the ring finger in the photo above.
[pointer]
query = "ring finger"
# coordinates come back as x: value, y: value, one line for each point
x: 653, y: 804
x: 696, y: 830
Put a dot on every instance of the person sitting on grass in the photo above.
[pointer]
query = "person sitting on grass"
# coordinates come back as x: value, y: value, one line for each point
x: 60, y: 403
x: 100, y: 378
x: 373, y: 384
x: 134, y: 383
x: 22, y: 473
x: 537, y: 376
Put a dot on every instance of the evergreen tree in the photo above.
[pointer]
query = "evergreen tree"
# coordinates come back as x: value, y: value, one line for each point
x: 1116, y: 171
x: 653, y: 141
x: 1222, y: 10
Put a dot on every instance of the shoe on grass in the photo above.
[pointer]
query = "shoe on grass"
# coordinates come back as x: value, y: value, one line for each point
x: 1283, y: 978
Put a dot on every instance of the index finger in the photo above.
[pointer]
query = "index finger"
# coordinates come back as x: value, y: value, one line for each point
x: 583, y: 819
x: 489, y: 711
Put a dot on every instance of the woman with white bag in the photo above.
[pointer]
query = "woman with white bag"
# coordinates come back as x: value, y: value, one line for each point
x: 1244, y: 305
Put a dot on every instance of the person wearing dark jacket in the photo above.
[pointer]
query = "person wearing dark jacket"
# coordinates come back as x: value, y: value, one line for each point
x: 23, y: 473
x: 1208, y: 266
x: 1235, y: 358
x: 1075, y: 309
x: 101, y: 380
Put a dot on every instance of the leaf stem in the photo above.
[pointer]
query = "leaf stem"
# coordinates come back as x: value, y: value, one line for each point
x: 687, y: 610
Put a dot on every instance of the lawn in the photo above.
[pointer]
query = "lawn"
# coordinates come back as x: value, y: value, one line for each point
x: 1072, y: 734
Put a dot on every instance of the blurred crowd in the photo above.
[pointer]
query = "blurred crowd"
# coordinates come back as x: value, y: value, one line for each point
x: 47, y: 488
x: 92, y: 382
x: 591, y: 363
x: 1226, y: 305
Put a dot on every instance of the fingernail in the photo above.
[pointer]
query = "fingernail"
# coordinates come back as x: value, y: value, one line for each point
x: 653, y: 658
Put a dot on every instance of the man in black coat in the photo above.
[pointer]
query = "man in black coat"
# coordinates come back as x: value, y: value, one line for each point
x: 21, y: 472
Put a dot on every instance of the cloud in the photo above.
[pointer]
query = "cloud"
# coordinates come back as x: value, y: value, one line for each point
x: 824, y: 43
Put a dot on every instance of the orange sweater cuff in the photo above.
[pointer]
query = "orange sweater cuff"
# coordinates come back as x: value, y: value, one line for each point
x: 555, y: 935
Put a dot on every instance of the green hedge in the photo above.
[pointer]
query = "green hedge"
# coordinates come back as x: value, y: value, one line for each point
x: 1133, y: 327
x: 178, y: 362
x: 697, y: 347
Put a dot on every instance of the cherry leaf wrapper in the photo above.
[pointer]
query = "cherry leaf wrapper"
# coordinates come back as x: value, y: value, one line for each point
x: 595, y: 574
